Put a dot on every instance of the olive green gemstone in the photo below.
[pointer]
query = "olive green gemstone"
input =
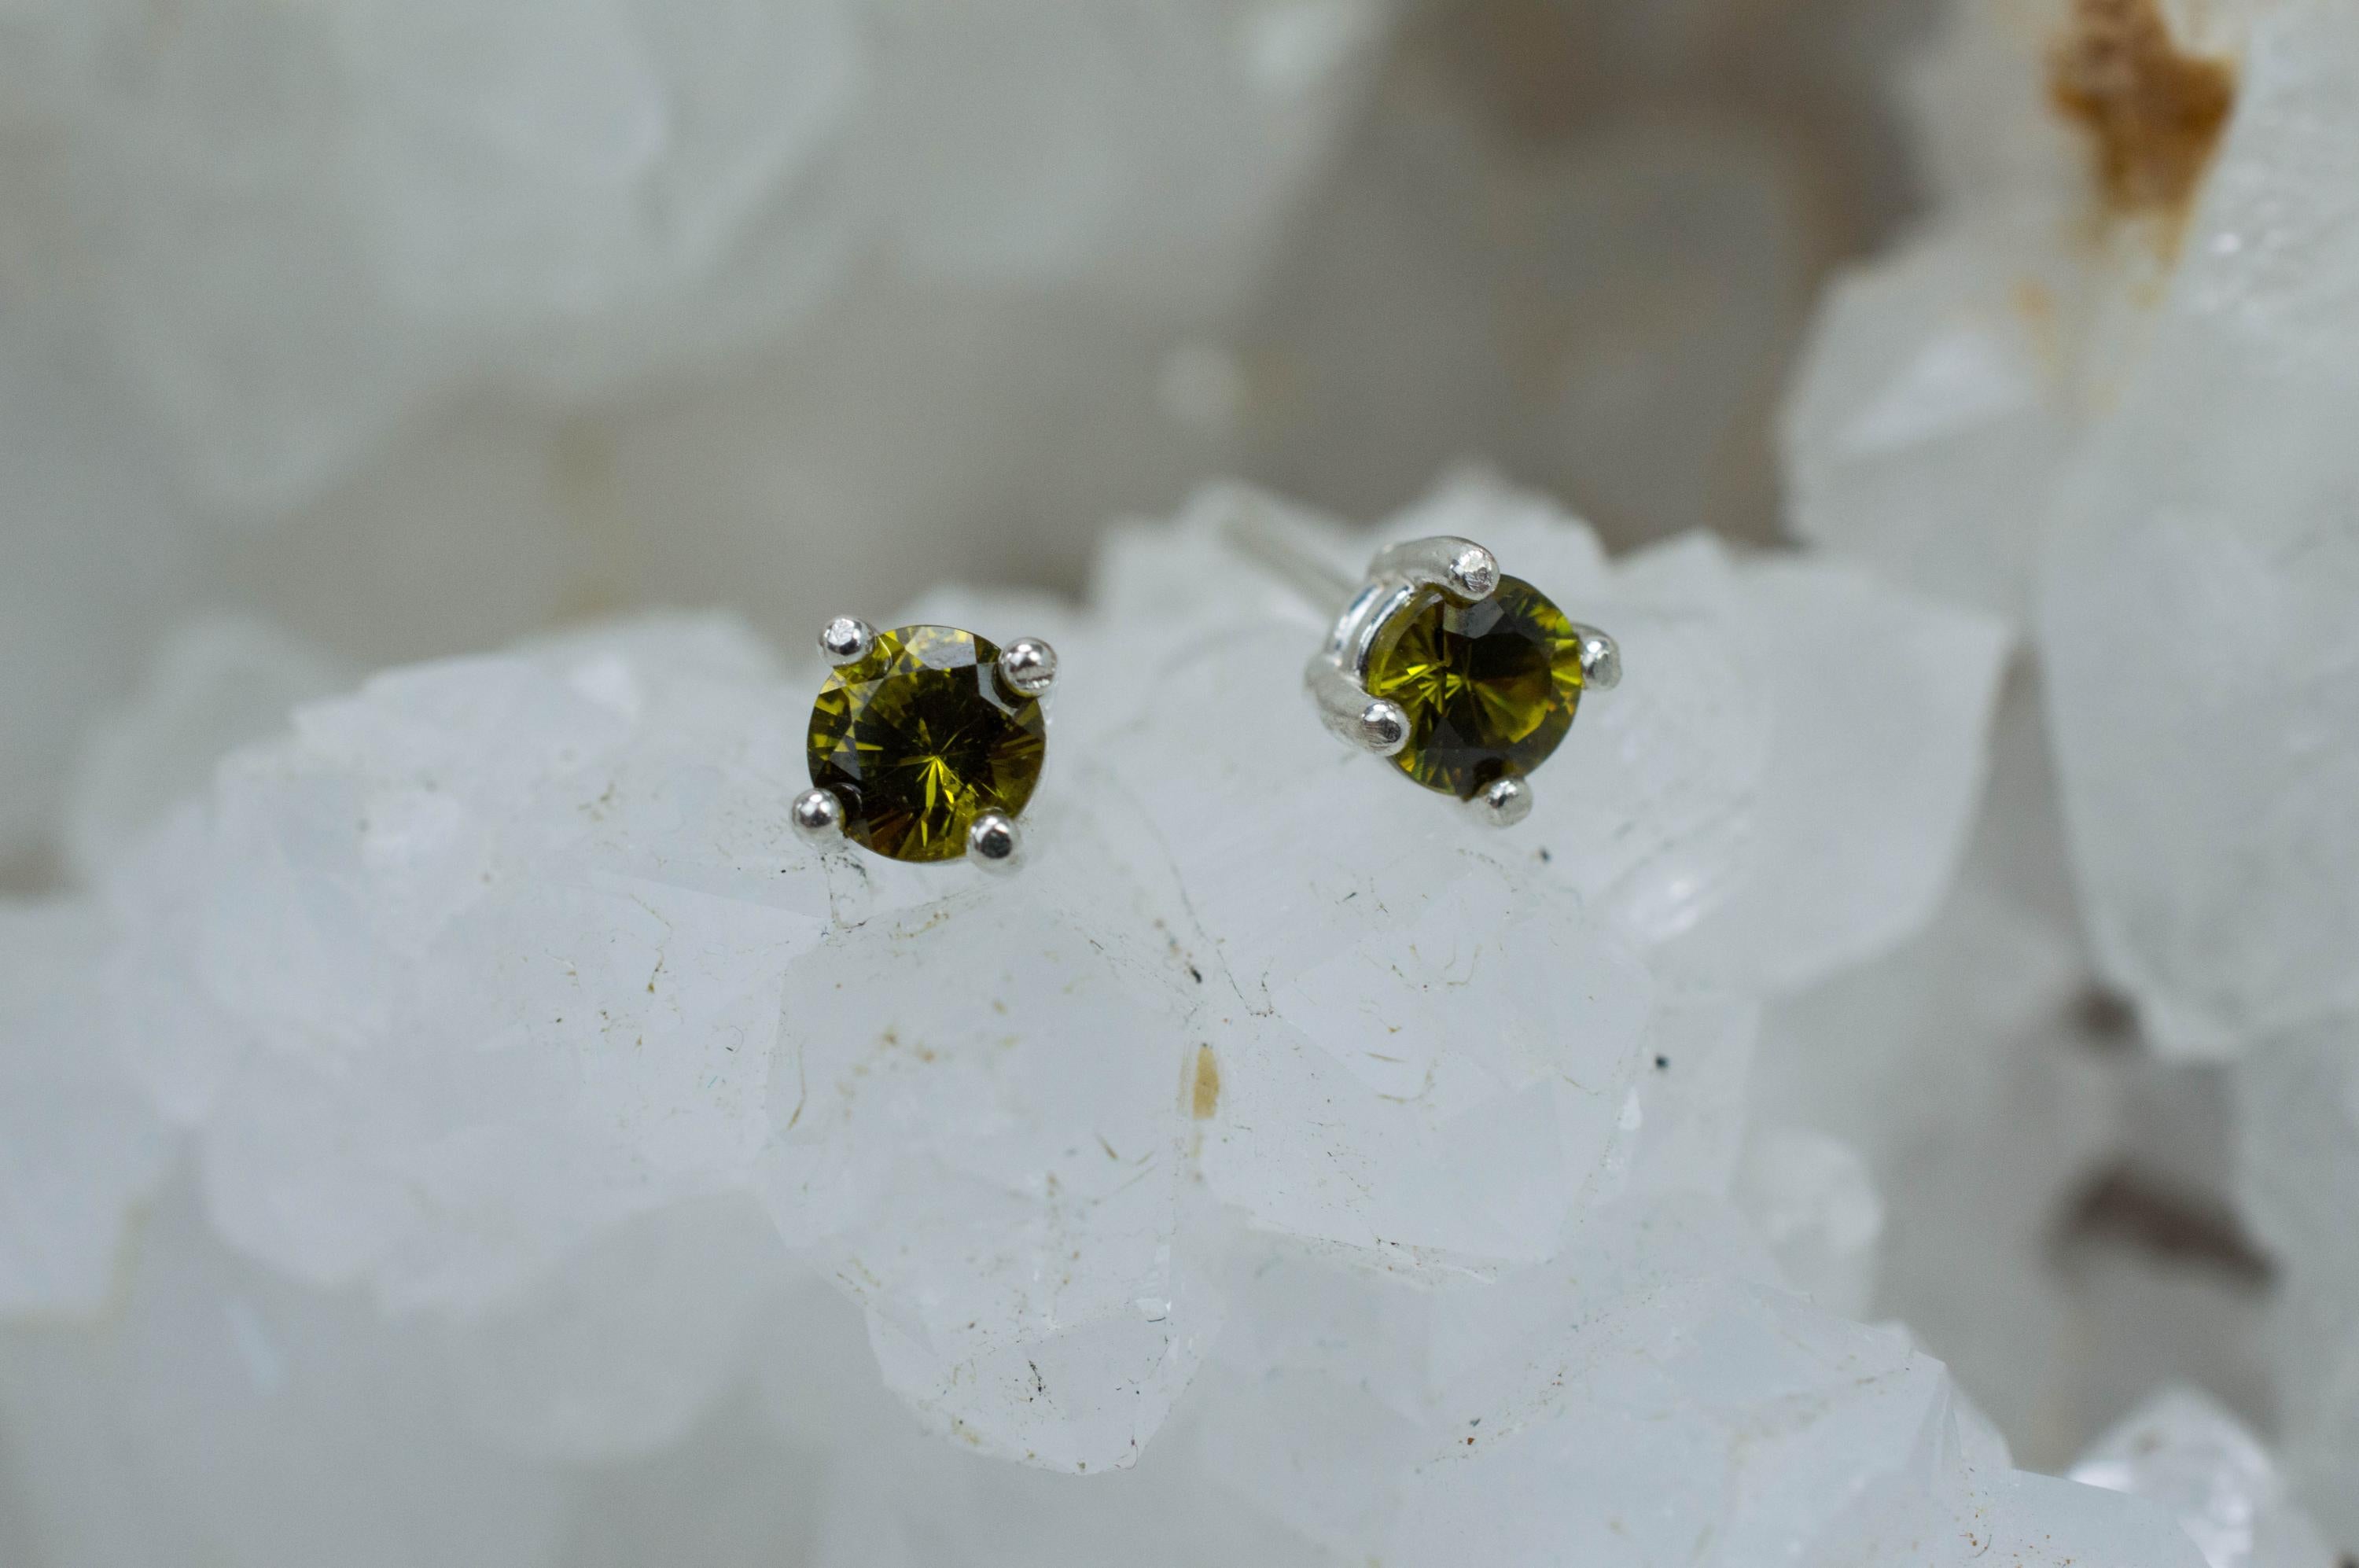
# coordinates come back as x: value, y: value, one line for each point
x: 1489, y: 688
x: 920, y: 737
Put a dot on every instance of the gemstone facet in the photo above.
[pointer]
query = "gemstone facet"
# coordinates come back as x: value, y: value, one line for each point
x: 919, y: 737
x: 1489, y: 688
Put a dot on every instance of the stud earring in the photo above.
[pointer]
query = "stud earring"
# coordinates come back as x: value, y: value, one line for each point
x: 1466, y: 678
x: 925, y: 743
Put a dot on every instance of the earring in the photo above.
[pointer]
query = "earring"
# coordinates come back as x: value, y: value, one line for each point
x: 1466, y: 679
x: 924, y: 742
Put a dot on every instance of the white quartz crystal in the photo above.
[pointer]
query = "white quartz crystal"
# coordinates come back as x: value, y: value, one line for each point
x: 1648, y: 1398
x: 568, y: 1157
x: 1953, y: 1069
x: 2105, y: 387
x: 1815, y: 1202
x: 1927, y: 421
x: 1339, y: 919
x: 992, y: 1159
x: 2116, y: 404
x: 2183, y: 1450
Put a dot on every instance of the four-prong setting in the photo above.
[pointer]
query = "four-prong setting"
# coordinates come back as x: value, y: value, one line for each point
x: 926, y: 742
x: 1466, y: 678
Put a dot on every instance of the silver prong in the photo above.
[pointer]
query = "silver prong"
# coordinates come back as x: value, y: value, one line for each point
x: 818, y: 816
x: 846, y: 640
x: 993, y: 844
x: 1503, y: 803
x: 1601, y: 660
x: 1459, y: 567
x: 1029, y: 665
x: 1375, y: 725
x: 1384, y: 727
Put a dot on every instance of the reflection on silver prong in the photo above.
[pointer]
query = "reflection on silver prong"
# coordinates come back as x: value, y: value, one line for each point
x: 1601, y: 660
x: 1459, y: 567
x: 1384, y: 727
x: 1373, y: 725
x: 1475, y: 574
x: 993, y: 844
x: 818, y: 816
x: 1028, y: 666
x: 1503, y: 802
x: 846, y: 639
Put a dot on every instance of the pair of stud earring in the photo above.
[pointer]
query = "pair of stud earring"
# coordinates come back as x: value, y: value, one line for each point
x: 927, y: 742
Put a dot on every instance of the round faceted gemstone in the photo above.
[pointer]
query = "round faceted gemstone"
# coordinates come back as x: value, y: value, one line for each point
x: 919, y: 737
x: 1489, y: 688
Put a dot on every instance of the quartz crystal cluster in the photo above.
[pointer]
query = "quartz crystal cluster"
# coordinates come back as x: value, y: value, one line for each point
x: 447, y: 1117
x: 468, y: 1122
x: 2105, y: 389
x: 2181, y: 1449
x: 2102, y: 390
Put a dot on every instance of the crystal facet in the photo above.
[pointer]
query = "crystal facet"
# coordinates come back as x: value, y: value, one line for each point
x: 918, y: 737
x: 1490, y: 688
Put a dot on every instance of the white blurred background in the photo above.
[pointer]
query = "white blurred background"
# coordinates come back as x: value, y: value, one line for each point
x: 409, y: 328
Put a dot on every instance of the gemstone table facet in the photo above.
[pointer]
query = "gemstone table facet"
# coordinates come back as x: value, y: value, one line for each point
x: 1490, y: 688
x: 919, y: 737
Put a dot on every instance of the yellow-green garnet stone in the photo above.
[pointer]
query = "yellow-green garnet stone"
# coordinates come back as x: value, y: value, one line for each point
x: 1489, y: 688
x: 919, y: 737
